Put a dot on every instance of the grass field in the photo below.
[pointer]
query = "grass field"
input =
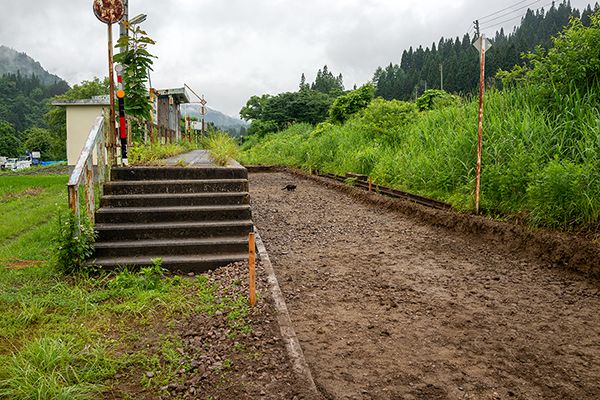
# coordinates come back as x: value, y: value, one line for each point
x: 68, y: 337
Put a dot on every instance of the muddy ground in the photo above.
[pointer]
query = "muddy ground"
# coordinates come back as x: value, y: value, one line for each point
x: 387, y: 307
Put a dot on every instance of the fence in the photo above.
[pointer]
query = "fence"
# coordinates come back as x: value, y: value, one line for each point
x: 85, y: 174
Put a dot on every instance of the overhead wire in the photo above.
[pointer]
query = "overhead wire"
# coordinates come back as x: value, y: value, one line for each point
x: 504, y: 9
x: 510, y: 12
x: 513, y: 18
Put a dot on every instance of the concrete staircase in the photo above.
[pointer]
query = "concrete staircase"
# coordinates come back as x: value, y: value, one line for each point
x: 194, y: 218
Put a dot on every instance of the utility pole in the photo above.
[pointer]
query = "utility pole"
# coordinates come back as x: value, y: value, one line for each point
x: 124, y: 25
x: 441, y: 76
x: 482, y: 44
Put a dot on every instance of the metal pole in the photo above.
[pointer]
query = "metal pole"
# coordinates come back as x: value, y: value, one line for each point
x: 112, y: 155
x: 480, y: 126
x: 441, y: 76
x: 123, y: 26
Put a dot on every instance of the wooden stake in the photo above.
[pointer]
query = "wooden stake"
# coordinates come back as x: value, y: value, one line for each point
x: 482, y: 51
x: 370, y: 184
x: 251, y: 266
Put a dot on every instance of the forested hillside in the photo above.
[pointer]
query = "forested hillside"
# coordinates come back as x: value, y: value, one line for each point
x: 13, y: 62
x: 24, y: 101
x: 419, y: 68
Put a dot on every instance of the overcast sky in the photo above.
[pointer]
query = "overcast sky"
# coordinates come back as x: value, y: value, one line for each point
x: 232, y: 49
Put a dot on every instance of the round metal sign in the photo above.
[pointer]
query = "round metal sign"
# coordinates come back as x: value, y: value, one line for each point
x: 109, y: 11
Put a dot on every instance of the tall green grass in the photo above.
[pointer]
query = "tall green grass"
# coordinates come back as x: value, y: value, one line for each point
x: 540, y: 165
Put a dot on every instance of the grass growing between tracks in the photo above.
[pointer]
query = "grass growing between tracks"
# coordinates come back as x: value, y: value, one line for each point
x: 72, y: 337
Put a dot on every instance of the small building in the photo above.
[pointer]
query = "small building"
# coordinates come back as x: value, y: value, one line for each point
x: 81, y: 115
x: 168, y: 111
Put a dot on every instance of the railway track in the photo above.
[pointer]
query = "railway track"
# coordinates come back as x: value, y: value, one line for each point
x: 361, y: 181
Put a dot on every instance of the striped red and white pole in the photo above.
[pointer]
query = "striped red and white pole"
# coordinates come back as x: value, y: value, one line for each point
x: 122, y: 121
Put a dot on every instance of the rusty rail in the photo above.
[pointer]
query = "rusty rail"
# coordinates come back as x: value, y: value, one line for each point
x: 84, y: 173
x: 361, y: 182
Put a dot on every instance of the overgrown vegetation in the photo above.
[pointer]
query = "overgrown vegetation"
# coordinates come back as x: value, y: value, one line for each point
x: 137, y: 62
x: 71, y: 336
x: 156, y: 153
x: 221, y: 147
x: 541, y: 159
x: 73, y: 243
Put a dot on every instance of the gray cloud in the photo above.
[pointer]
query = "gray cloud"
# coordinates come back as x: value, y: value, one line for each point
x: 232, y: 49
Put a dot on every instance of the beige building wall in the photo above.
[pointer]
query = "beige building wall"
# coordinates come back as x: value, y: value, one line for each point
x: 80, y: 119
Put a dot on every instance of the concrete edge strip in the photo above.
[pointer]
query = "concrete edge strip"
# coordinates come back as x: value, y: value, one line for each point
x: 288, y: 333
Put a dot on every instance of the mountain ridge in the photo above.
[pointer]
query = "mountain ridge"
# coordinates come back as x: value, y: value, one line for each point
x: 13, y: 61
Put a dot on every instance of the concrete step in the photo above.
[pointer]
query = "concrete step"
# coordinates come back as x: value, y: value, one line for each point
x: 174, y: 199
x: 173, y: 214
x: 172, y: 230
x: 171, y: 247
x: 195, y: 264
x: 176, y: 173
x: 176, y: 186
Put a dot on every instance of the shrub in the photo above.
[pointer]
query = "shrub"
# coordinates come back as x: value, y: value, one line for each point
x: 73, y: 244
x: 350, y: 103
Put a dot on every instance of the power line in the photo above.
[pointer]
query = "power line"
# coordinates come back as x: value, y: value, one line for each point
x: 510, y: 12
x: 504, y: 9
x: 513, y: 18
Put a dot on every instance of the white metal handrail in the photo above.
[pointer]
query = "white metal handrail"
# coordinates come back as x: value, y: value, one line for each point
x: 84, y: 172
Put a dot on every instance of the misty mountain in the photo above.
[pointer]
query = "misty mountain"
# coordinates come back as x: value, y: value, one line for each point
x: 222, y: 121
x: 11, y: 62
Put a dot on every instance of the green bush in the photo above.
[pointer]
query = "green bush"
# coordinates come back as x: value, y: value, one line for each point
x: 350, y: 103
x: 73, y: 244
x: 433, y: 98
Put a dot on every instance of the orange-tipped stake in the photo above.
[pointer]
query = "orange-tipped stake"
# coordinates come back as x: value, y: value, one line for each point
x: 370, y: 184
x: 251, y: 266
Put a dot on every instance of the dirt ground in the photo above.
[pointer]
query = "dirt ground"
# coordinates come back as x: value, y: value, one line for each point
x: 216, y: 359
x: 387, y: 307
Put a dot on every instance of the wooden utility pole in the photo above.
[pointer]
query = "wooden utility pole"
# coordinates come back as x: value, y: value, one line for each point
x: 482, y: 44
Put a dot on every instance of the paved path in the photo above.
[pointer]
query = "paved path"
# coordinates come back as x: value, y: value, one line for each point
x: 198, y: 158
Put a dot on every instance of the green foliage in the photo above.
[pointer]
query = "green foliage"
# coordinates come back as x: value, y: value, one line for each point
x: 433, y: 154
x: 385, y: 120
x: 221, y: 147
x: 56, y: 368
x: 42, y: 140
x: 156, y: 153
x: 433, y: 98
x: 73, y: 244
x: 9, y: 143
x: 419, y: 67
x: 565, y: 194
x: 326, y: 82
x: 148, y: 278
x: 350, y: 103
x: 573, y: 63
x: 137, y: 61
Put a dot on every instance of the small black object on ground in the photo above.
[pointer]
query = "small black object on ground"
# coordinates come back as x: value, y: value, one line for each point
x: 289, y: 187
